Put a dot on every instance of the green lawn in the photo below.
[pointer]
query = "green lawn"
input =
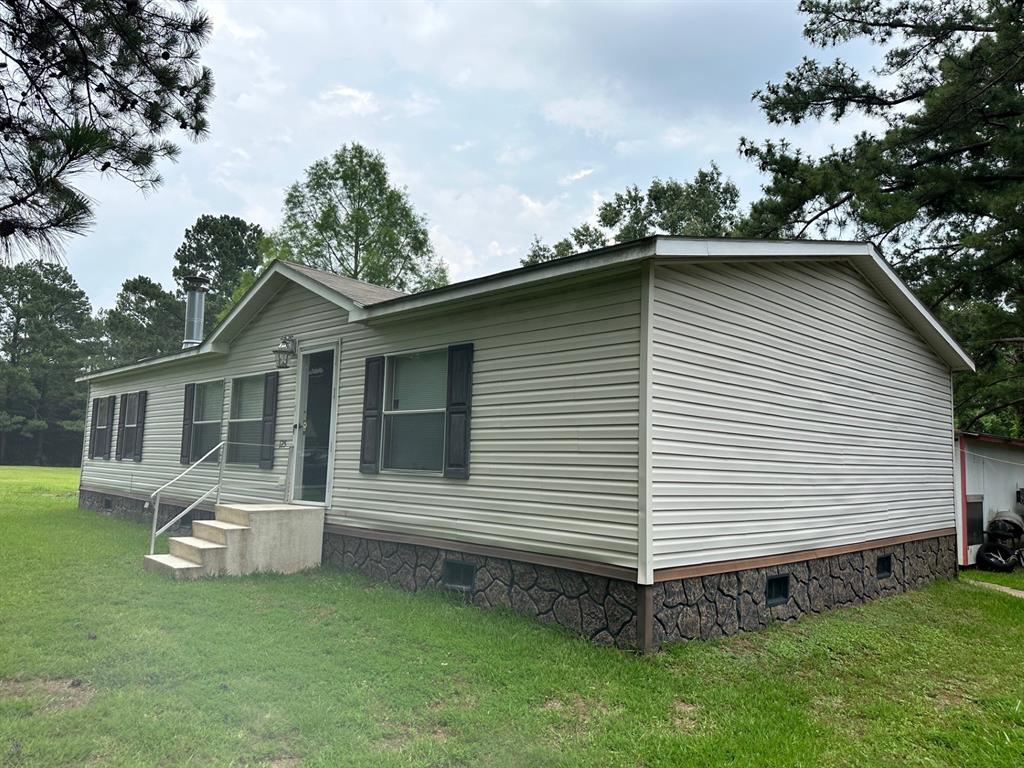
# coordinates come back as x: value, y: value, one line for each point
x: 102, y: 664
x: 1014, y: 580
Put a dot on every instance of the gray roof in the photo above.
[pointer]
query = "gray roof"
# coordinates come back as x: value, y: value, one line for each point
x: 360, y: 292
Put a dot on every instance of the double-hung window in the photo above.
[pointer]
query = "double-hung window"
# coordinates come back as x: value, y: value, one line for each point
x: 102, y: 426
x: 245, y: 421
x: 414, y: 411
x: 128, y: 436
x: 207, y: 413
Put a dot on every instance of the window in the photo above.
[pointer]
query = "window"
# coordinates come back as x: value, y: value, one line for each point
x: 883, y: 568
x: 776, y: 590
x: 415, y: 394
x: 245, y: 423
x: 102, y: 426
x: 207, y: 413
x: 129, y: 434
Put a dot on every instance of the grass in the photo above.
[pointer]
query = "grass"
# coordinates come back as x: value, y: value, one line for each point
x: 1014, y: 580
x: 102, y: 664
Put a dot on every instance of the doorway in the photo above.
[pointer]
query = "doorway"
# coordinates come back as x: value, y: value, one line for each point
x: 314, y: 439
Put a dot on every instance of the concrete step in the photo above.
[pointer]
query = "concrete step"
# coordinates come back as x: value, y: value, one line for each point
x: 209, y: 554
x: 170, y: 565
x: 218, y: 531
x: 241, y: 514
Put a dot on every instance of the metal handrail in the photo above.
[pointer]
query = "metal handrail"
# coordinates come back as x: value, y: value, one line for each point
x: 156, y: 494
x: 176, y: 518
x: 191, y: 466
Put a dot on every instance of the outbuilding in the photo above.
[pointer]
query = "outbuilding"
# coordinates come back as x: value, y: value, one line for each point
x: 666, y: 439
x: 990, y: 480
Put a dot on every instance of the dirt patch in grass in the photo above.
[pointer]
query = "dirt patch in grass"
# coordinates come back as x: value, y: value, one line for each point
x: 576, y: 705
x: 402, y: 737
x: 57, y: 695
x: 284, y: 762
x: 685, y: 716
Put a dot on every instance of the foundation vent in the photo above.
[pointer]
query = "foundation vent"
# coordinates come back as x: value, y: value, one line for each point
x: 776, y: 590
x: 884, y: 567
x: 457, y: 576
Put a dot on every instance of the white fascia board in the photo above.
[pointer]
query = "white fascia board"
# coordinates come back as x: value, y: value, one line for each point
x: 878, y: 272
x: 728, y: 248
x: 268, y: 284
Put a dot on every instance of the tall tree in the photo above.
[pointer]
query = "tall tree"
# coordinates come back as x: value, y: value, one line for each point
x: 46, y: 335
x: 347, y: 217
x: 146, y: 321
x: 90, y: 85
x: 707, y: 206
x: 219, y: 249
x: 704, y: 207
x: 939, y: 186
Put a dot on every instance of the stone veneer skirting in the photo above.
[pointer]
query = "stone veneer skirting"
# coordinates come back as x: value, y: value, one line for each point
x: 132, y: 508
x: 706, y: 607
x: 598, y: 607
x: 611, y: 611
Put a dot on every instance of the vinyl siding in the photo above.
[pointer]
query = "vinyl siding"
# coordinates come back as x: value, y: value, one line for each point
x: 791, y: 408
x: 554, y: 429
x: 293, y: 310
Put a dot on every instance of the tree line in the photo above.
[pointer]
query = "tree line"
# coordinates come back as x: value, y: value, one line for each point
x: 937, y: 185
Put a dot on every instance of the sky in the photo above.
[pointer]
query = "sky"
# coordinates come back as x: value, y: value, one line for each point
x: 502, y: 120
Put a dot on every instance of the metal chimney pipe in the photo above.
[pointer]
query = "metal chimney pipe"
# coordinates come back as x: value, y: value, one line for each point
x: 195, y: 309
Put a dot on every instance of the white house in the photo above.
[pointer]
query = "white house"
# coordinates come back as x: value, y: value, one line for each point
x: 990, y: 479
x: 663, y: 439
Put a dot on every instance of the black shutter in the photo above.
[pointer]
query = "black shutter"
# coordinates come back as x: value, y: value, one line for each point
x: 373, y: 403
x: 119, y: 450
x: 111, y: 403
x: 457, y: 415
x: 92, y: 427
x: 186, y: 424
x: 140, y: 425
x: 269, y: 420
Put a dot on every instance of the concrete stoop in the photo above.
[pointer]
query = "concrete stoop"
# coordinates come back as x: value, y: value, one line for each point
x: 245, y: 538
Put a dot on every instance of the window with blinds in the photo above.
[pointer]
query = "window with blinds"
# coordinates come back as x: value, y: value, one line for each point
x: 207, y: 414
x: 245, y: 422
x: 415, y: 397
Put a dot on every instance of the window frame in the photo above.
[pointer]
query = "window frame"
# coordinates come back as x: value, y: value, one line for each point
x: 193, y: 456
x: 385, y: 411
x: 258, y: 420
x: 128, y: 444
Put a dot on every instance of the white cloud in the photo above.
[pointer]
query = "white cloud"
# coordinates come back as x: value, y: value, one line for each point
x: 537, y: 209
x: 344, y: 100
x: 459, y: 257
x: 464, y: 145
x: 224, y: 24
x: 593, y: 115
x: 516, y: 155
x: 418, y: 105
x: 582, y: 173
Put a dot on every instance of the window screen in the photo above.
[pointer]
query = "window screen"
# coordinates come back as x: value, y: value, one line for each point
x: 245, y: 425
x: 206, y: 419
x: 415, y: 394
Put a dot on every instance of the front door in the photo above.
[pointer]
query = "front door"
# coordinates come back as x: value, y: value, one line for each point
x: 314, y: 441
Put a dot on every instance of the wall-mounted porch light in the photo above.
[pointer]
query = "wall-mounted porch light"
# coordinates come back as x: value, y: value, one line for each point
x: 285, y: 351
